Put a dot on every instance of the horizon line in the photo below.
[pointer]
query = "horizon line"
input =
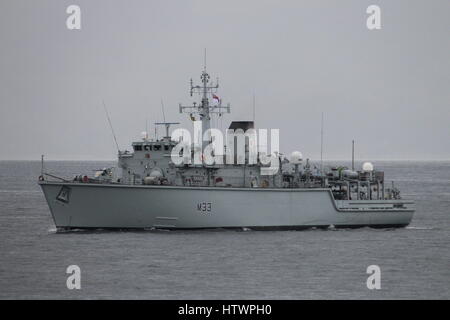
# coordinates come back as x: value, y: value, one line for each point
x: 304, y: 160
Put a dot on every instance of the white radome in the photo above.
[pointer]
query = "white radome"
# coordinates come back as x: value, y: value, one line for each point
x: 296, y: 157
x: 367, y: 166
x: 156, y: 174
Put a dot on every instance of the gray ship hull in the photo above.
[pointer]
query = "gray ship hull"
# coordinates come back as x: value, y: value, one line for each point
x: 89, y: 205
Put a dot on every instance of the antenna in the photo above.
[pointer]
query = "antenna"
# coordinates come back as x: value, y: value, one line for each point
x: 204, y: 110
x: 146, y: 128
x: 42, y: 165
x: 204, y: 62
x: 321, y: 145
x: 353, y: 155
x: 162, y: 107
x: 254, y: 109
x: 110, y: 125
x: 167, y: 125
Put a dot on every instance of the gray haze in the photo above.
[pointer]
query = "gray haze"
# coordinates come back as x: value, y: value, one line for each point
x: 387, y: 89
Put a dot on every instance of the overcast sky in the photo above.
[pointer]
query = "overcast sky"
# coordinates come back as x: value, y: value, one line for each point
x: 388, y: 89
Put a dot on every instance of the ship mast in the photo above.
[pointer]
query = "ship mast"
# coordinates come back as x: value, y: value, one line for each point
x: 167, y: 125
x: 204, y: 110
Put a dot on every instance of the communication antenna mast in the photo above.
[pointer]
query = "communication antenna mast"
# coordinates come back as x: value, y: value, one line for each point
x: 110, y: 125
x: 353, y: 155
x: 254, y: 109
x: 162, y: 107
x: 146, y: 128
x: 204, y: 62
x: 321, y: 145
x: 42, y: 165
x: 167, y: 125
x: 204, y: 110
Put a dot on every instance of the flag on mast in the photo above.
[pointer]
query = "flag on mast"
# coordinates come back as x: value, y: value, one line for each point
x: 216, y: 97
x: 216, y: 100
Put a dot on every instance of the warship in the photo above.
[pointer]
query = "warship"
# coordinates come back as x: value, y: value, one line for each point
x: 150, y: 188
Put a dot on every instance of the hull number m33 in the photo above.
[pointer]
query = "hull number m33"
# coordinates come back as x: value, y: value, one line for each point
x: 204, y: 207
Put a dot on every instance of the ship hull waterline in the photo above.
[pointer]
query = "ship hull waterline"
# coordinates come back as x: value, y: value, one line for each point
x: 116, y: 206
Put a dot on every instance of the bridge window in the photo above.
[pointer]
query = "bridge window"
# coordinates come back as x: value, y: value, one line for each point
x: 148, y: 147
x: 157, y: 147
x: 137, y: 148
